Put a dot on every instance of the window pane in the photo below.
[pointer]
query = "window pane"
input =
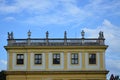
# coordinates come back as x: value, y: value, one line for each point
x: 38, y: 58
x: 74, y: 59
x: 20, y: 59
x: 92, y: 58
x: 76, y: 55
x: 18, y: 56
x: 21, y: 56
x: 56, y: 58
x: 37, y: 62
x: 54, y: 55
x: 40, y: 61
x: 72, y: 55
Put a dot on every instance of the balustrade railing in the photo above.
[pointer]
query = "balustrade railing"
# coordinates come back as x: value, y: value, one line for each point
x: 55, y: 42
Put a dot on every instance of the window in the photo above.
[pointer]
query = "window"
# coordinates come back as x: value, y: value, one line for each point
x: 20, y: 59
x: 74, y: 58
x: 38, y: 58
x: 92, y: 58
x: 56, y: 58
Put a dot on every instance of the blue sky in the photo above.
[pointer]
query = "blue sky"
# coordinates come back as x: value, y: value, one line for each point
x: 56, y: 16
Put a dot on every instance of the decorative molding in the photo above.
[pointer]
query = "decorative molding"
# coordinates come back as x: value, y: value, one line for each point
x: 55, y: 72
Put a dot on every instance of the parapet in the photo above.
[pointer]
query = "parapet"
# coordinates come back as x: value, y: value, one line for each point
x: 56, y: 41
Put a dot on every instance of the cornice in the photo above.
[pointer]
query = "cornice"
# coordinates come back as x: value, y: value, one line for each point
x: 55, y: 47
x: 54, y: 72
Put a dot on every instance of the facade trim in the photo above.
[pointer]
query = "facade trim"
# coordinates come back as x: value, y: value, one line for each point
x: 56, y: 72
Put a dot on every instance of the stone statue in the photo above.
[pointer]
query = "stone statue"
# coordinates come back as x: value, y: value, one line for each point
x: 47, y: 34
x: 29, y: 34
x: 101, y: 35
x: 8, y: 35
x: 11, y: 35
x: 65, y: 34
x: 82, y: 33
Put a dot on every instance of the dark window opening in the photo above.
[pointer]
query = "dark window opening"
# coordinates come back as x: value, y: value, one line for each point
x: 74, y: 58
x: 56, y: 58
x: 38, y: 58
x: 92, y: 58
x: 20, y: 59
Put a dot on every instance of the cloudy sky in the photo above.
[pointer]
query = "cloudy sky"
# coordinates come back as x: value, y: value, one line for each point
x: 56, y: 16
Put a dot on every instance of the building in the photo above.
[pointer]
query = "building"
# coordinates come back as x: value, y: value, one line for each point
x: 56, y: 58
x: 114, y: 77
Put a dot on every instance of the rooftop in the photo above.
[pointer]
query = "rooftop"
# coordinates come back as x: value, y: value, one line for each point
x: 56, y: 41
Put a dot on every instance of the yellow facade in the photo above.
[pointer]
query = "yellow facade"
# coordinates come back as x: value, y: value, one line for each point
x: 63, y: 71
x: 58, y: 75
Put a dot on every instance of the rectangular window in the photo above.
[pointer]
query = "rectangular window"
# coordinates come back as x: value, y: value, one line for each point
x: 74, y: 58
x: 38, y: 58
x: 56, y: 58
x: 92, y: 58
x: 20, y: 59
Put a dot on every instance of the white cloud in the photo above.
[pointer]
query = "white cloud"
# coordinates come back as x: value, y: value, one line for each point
x: 111, y: 33
x: 24, y: 5
x: 4, y: 62
x: 102, y: 7
x: 110, y: 30
x: 9, y: 18
x: 59, y: 11
x: 6, y: 9
x: 62, y: 12
x: 45, y: 12
x: 113, y: 66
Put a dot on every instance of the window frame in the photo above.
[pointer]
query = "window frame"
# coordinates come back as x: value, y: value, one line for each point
x: 39, y: 58
x: 21, y: 56
x: 74, y: 58
x: 56, y: 56
x: 92, y: 59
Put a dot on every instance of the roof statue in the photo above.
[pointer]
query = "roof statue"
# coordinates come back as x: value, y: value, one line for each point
x: 66, y: 41
x: 65, y: 34
x: 47, y: 34
x: 82, y: 33
x: 10, y: 35
x: 101, y: 35
x: 29, y: 34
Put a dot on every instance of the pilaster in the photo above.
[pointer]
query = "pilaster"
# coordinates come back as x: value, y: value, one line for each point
x: 65, y: 61
x: 10, y: 61
x: 47, y: 61
x: 83, y: 61
x: 28, y: 61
